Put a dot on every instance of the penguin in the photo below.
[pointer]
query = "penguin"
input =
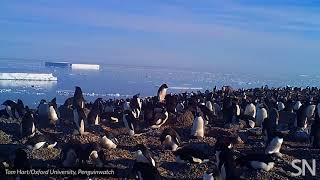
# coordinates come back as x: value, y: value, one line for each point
x: 38, y: 141
x: 80, y: 120
x: 302, y: 117
x: 28, y: 128
x: 280, y: 106
x: 43, y: 109
x: 160, y: 118
x: 191, y: 154
x: 143, y: 155
x: 162, y: 91
x: 209, y: 105
x: 198, y: 126
x: 226, y: 163
x: 129, y: 120
x: 20, y: 109
x: 257, y: 161
x: 262, y: 114
x: 250, y: 110
x: 94, y: 115
x: 78, y: 99
x: 212, y: 173
x: 136, y: 105
x: 227, y: 110
x: 70, y: 155
x: 108, y: 142
x: 171, y: 138
x: 21, y: 160
x: 207, y: 114
x: 143, y: 171
x: 297, y: 105
x: 180, y: 108
x: 52, y: 112
x: 10, y: 108
x: 274, y: 144
x: 92, y: 152
x: 65, y: 111
x: 315, y: 133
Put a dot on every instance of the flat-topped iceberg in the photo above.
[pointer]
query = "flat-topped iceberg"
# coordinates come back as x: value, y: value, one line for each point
x: 28, y: 76
x: 85, y: 66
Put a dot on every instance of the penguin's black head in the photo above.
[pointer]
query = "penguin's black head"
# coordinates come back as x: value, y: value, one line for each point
x: 164, y: 86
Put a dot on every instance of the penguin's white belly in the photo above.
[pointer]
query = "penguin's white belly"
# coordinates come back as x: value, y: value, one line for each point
x: 39, y: 145
x: 310, y: 110
x: 9, y: 111
x: 53, y: 114
x: 262, y: 165
x: 262, y: 114
x: 198, y: 127
x: 297, y: 106
x: 209, y: 105
x: 274, y: 146
x: 96, y: 121
x: 81, y: 128
x: 238, y: 110
x: 250, y: 110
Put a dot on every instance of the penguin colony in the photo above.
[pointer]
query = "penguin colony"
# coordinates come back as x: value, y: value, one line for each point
x: 227, y: 118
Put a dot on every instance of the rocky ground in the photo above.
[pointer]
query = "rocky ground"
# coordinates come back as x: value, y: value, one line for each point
x: 122, y: 157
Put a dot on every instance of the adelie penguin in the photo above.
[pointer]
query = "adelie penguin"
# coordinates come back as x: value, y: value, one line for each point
x: 170, y: 138
x: 262, y: 114
x: 70, y: 155
x: 160, y: 118
x: 94, y: 115
x: 11, y: 108
x: 129, y: 122
x: 198, y: 126
x: 47, y: 113
x: 191, y: 154
x: 40, y: 140
x: 226, y: 163
x: 143, y: 171
x: 162, y: 91
x: 257, y: 161
x: 143, y: 155
x: 93, y: 153
x: 80, y: 120
x: 28, y: 128
x: 136, y: 105
x: 78, y: 99
x: 108, y: 142
x: 212, y: 173
x: 315, y: 132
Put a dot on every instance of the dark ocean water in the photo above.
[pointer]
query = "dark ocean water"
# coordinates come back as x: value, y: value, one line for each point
x: 120, y: 81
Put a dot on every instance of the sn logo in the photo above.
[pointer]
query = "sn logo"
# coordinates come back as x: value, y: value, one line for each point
x: 302, y: 170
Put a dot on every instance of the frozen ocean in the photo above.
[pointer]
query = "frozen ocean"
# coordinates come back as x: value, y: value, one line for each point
x: 120, y: 81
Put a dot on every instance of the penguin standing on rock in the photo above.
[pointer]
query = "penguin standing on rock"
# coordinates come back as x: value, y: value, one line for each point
x: 162, y: 91
x: 129, y: 122
x: 94, y: 115
x: 198, y: 126
x: 143, y: 155
x: 28, y: 128
x: 171, y: 138
x: 53, y: 109
x: 78, y: 99
x: 226, y: 163
x: 80, y: 120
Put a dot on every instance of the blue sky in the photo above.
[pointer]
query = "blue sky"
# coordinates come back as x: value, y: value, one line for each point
x: 209, y: 35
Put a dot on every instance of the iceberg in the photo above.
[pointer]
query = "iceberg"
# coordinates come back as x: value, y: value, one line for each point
x: 28, y: 76
x: 58, y: 64
x: 85, y: 66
